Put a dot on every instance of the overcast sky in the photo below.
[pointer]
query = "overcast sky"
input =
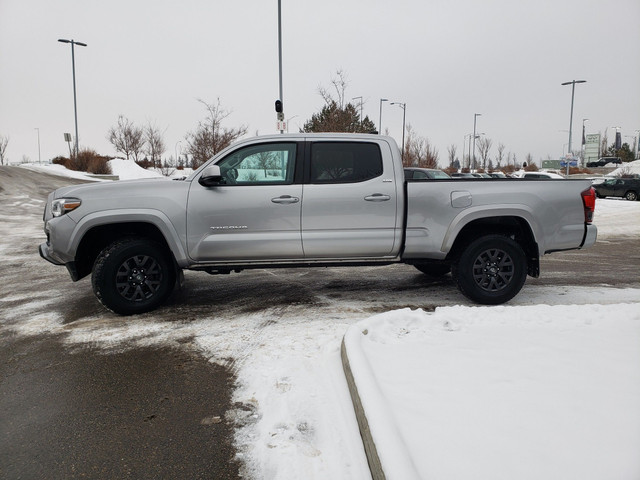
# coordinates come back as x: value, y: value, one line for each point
x: 447, y: 59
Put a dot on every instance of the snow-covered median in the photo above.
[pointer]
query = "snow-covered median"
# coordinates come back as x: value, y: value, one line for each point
x: 503, y: 392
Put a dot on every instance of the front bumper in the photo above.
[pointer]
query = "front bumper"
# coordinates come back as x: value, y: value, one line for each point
x: 47, y: 253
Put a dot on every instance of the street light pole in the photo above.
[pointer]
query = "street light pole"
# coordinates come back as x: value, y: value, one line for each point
x: 380, y: 124
x: 281, y: 113
x: 176, y: 152
x: 403, y: 106
x: 573, y: 90
x: 73, y: 68
x: 583, y: 141
x: 39, y: 161
x: 475, y: 116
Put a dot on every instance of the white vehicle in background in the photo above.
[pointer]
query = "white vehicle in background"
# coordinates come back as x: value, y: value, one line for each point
x: 529, y: 175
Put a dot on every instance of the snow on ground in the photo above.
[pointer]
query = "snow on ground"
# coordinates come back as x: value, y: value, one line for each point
x: 630, y: 168
x: 503, y: 392
x: 617, y: 217
x: 556, y: 372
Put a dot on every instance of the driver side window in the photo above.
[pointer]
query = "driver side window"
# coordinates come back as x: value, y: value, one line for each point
x: 268, y: 164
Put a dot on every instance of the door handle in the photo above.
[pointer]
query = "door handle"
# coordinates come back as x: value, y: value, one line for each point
x: 377, y: 197
x: 284, y: 199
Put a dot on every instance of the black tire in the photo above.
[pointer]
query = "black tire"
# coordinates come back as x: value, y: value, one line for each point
x: 133, y: 276
x: 631, y: 196
x: 491, y: 270
x: 434, y: 269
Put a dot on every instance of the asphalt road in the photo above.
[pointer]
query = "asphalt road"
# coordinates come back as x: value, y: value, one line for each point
x: 148, y: 412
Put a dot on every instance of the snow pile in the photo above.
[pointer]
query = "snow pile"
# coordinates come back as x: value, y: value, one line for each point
x: 130, y: 170
x: 617, y: 217
x: 631, y: 168
x: 503, y: 392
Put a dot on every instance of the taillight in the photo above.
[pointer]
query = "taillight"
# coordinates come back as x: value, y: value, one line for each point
x: 589, y: 202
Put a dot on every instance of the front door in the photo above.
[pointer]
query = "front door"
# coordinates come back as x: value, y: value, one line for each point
x: 254, y: 213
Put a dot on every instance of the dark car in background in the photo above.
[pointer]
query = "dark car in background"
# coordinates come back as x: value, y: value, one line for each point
x: 628, y: 188
x: 414, y: 173
x: 605, y: 161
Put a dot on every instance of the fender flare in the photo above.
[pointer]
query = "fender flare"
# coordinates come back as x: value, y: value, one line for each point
x: 480, y: 212
x: 154, y: 217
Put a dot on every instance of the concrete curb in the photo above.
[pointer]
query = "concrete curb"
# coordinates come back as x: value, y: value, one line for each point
x: 384, y: 445
x: 369, y: 445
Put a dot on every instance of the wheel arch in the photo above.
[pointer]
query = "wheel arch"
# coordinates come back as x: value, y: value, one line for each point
x: 512, y: 226
x: 92, y: 235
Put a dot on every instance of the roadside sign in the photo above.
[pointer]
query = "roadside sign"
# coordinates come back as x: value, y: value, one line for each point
x: 281, y: 126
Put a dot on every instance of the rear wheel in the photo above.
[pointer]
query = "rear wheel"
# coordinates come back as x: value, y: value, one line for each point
x: 133, y: 276
x: 631, y: 195
x: 491, y: 270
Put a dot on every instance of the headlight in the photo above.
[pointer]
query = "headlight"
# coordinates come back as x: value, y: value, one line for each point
x: 60, y: 206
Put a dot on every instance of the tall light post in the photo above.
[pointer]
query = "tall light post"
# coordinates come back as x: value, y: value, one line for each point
x: 637, y: 145
x: 380, y: 124
x: 175, y: 149
x: 475, y: 117
x: 583, y: 141
x: 403, y: 106
x: 39, y: 161
x: 73, y: 69
x: 573, y: 91
x: 464, y: 146
x: 280, y: 101
x: 616, y: 145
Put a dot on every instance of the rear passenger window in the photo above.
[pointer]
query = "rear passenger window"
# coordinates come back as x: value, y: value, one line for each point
x: 344, y: 162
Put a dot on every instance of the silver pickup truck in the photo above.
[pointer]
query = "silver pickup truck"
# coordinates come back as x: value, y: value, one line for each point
x: 306, y: 200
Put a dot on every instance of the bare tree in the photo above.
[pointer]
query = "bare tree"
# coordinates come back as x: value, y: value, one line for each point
x: 452, y: 154
x: 4, y: 141
x: 154, y: 144
x: 168, y: 167
x: 339, y: 83
x: 500, y: 156
x: 484, y: 145
x: 210, y: 137
x: 418, y: 152
x: 126, y: 138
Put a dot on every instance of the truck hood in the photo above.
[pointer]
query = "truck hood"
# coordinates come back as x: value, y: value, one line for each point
x: 162, y: 195
x: 120, y: 187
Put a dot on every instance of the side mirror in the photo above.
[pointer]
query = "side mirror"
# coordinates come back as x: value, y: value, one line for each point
x: 210, y: 177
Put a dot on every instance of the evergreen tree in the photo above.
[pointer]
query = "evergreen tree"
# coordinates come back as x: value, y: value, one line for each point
x: 333, y: 118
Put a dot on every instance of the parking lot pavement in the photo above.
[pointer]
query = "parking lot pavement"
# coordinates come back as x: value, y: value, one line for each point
x: 146, y: 413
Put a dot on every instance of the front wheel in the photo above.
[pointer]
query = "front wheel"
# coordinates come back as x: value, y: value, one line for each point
x: 133, y: 276
x: 631, y: 195
x: 491, y: 270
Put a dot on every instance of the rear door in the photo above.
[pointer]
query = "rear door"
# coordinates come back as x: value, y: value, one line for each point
x: 254, y: 213
x: 350, y: 205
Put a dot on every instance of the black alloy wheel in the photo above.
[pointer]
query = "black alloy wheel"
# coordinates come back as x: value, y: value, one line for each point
x: 491, y: 270
x: 133, y: 276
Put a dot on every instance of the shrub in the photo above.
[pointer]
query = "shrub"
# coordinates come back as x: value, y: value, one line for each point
x: 89, y: 161
x: 145, y: 163
x: 99, y: 166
